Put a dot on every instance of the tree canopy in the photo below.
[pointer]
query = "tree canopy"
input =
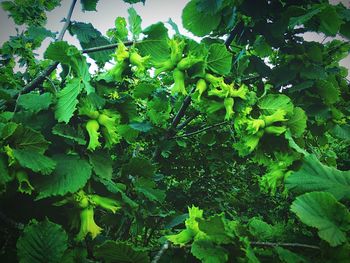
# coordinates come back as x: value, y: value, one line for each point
x: 234, y: 148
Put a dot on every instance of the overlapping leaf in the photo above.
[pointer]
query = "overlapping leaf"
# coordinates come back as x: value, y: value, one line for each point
x: 315, y: 176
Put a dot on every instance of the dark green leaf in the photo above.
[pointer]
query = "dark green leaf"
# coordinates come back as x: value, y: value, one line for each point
x: 42, y: 242
x: 117, y: 251
x: 70, y: 175
x: 200, y: 24
x: 89, y: 5
x: 34, y: 161
x: 102, y: 164
x: 70, y: 133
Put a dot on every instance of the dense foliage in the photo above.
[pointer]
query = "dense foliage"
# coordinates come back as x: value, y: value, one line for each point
x: 234, y: 149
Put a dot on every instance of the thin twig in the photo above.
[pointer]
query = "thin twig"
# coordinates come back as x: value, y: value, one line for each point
x: 161, y: 252
x: 270, y: 244
x: 171, y: 131
x: 106, y: 47
x: 67, y: 23
x: 187, y: 121
x: 199, y: 131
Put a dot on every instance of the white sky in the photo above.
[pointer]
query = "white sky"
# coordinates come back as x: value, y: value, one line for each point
x: 107, y: 10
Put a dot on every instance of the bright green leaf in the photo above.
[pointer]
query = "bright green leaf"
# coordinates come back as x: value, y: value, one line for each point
x: 67, y: 100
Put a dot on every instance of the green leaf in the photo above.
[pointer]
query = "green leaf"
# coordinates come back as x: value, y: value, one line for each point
x: 147, y: 188
x: 264, y: 231
x: 273, y: 102
x: 90, y: 37
x: 138, y: 167
x: 28, y: 139
x: 300, y: 20
x: 329, y: 21
x: 288, y: 256
x: 117, y: 251
x: 313, y: 72
x: 89, y: 5
x: 158, y: 110
x: 67, y: 100
x: 322, y: 211
x: 34, y: 102
x: 134, y: 23
x: 297, y: 122
x: 38, y: 33
x: 101, y: 162
x: 143, y: 90
x: 200, y: 24
x: 182, y: 238
x: 315, y: 176
x: 328, y: 91
x: 208, y: 252
x: 42, y: 242
x: 69, y: 132
x: 141, y: 126
x: 156, y: 31
x: 209, y: 6
x: 120, y: 27
x: 218, y: 229
x: 341, y: 131
x: 7, y: 130
x: 69, y: 55
x: 70, y: 175
x: 219, y: 59
x: 34, y: 161
x: 117, y: 189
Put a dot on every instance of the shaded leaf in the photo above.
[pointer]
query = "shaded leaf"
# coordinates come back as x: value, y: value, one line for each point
x: 42, y: 242
x: 34, y: 161
x: 117, y: 251
x: 101, y: 162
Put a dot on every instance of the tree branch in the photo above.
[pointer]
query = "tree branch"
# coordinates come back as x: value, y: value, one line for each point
x: 170, y: 132
x: 106, y: 47
x: 187, y: 121
x: 41, y: 77
x: 161, y: 252
x: 270, y: 244
x: 199, y: 131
